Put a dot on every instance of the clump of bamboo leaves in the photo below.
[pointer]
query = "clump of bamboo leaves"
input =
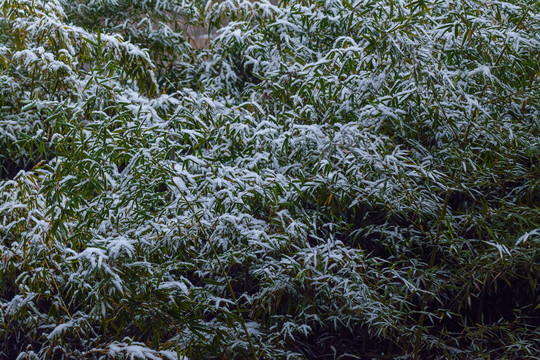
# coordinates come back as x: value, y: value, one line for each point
x: 327, y: 180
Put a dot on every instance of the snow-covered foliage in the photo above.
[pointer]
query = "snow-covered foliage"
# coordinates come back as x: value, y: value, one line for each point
x: 328, y: 179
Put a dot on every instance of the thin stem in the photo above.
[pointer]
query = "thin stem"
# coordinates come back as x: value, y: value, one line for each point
x: 222, y: 268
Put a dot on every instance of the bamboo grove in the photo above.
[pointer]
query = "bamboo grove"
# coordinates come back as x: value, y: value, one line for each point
x: 327, y: 179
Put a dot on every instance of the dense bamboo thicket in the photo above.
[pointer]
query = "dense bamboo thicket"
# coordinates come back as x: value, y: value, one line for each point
x: 328, y: 179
